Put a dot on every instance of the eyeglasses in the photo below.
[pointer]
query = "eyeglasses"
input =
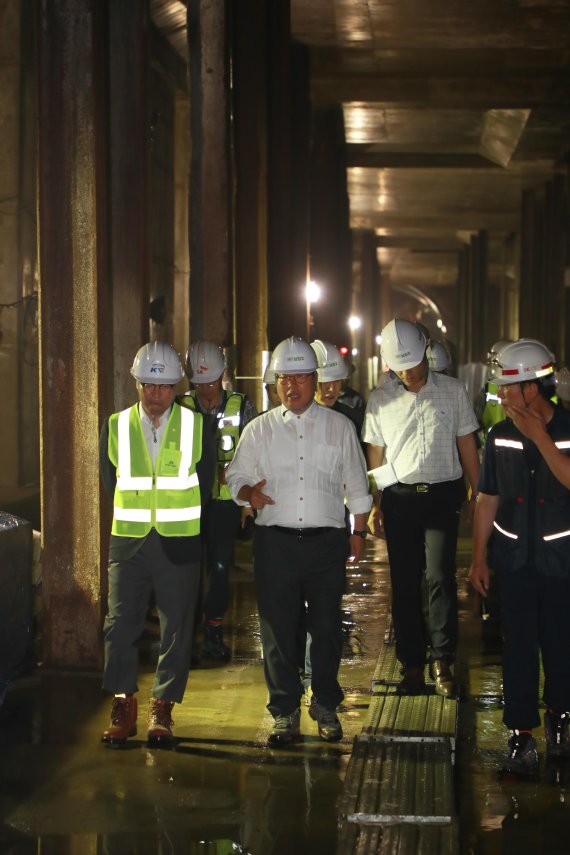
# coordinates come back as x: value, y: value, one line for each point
x: 162, y: 387
x: 301, y: 379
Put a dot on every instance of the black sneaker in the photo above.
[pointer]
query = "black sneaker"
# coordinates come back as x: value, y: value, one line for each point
x: 330, y: 728
x: 557, y: 734
x: 522, y: 758
x: 213, y: 646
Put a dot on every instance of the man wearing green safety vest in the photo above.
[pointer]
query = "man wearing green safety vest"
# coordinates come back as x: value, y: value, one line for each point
x: 225, y: 415
x: 156, y: 463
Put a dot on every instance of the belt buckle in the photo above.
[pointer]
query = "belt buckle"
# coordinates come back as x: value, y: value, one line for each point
x: 422, y: 488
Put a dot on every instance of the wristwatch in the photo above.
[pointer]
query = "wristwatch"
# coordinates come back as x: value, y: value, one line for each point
x: 363, y: 534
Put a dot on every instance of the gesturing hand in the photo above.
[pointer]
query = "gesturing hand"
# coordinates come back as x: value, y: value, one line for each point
x: 257, y: 498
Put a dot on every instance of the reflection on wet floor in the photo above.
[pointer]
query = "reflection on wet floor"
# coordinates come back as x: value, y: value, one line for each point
x: 221, y: 790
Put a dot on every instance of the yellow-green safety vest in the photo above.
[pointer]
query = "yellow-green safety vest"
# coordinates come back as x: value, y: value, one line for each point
x: 227, y: 435
x: 168, y: 497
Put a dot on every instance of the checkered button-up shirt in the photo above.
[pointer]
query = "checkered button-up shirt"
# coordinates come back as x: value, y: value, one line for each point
x: 419, y: 429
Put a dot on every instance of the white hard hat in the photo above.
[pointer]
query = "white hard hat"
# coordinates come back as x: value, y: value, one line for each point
x: 496, y: 347
x: 403, y: 345
x: 526, y: 359
x: 294, y: 356
x: 437, y: 356
x: 563, y: 384
x: 157, y: 363
x: 269, y: 374
x: 204, y: 362
x: 331, y: 365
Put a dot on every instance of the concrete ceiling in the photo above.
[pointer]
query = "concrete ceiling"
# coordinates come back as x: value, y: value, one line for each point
x: 451, y: 109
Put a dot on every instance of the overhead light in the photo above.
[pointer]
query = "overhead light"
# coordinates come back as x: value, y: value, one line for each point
x: 354, y: 322
x: 312, y: 291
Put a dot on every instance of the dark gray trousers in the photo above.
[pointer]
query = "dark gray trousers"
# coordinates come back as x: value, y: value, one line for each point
x: 175, y: 586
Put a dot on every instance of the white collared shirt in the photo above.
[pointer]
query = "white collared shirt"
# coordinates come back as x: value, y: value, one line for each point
x: 419, y: 429
x: 310, y: 462
x: 153, y: 435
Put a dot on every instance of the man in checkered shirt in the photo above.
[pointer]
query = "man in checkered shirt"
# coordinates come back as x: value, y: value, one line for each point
x: 420, y: 428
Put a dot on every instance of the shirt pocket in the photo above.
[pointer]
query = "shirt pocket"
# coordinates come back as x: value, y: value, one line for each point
x: 328, y: 462
x: 441, y: 419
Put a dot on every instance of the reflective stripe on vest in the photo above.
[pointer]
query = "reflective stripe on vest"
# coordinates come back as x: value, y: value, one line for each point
x: 509, y: 443
x: 506, y: 533
x: 556, y: 535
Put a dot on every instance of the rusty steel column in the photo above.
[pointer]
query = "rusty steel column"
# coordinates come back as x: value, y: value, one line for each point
x: 211, y: 308
x: 129, y: 169
x: 250, y: 214
x: 75, y: 325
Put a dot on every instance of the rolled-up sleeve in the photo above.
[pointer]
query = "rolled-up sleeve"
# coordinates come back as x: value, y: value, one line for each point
x: 243, y: 468
x: 358, y: 498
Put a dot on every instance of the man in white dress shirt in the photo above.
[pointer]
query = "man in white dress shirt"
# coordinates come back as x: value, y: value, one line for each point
x: 295, y: 465
x: 421, y: 426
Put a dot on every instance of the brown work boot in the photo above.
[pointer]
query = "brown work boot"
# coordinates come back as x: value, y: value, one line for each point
x: 412, y: 683
x: 160, y: 723
x: 444, y: 683
x: 123, y: 721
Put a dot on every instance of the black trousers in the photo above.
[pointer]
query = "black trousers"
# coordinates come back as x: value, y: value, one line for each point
x: 535, y: 612
x: 221, y: 526
x: 421, y: 536
x: 290, y: 571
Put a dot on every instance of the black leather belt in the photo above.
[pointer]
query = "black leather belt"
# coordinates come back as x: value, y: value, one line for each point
x: 304, y: 532
x: 423, y: 488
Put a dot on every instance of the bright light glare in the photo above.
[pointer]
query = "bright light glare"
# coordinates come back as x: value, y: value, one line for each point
x: 312, y: 291
x: 378, y: 340
x: 439, y: 323
x: 444, y: 329
x: 354, y: 322
x: 355, y: 351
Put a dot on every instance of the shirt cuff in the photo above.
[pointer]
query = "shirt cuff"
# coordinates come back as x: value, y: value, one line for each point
x: 360, y: 506
x: 234, y: 487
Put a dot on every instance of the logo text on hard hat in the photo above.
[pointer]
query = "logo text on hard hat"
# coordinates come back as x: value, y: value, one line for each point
x: 157, y: 368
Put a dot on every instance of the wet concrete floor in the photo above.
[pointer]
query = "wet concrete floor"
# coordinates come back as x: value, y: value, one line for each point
x: 222, y: 790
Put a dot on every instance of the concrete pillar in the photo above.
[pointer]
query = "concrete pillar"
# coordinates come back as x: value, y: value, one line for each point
x: 19, y: 430
x: 366, y: 303
x: 129, y: 170
x: 181, y: 307
x: 288, y: 128
x: 211, y: 314
x: 76, y: 376
x: 250, y: 41
x: 330, y: 247
x: 478, y: 295
x: 529, y: 293
x: 554, y: 331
